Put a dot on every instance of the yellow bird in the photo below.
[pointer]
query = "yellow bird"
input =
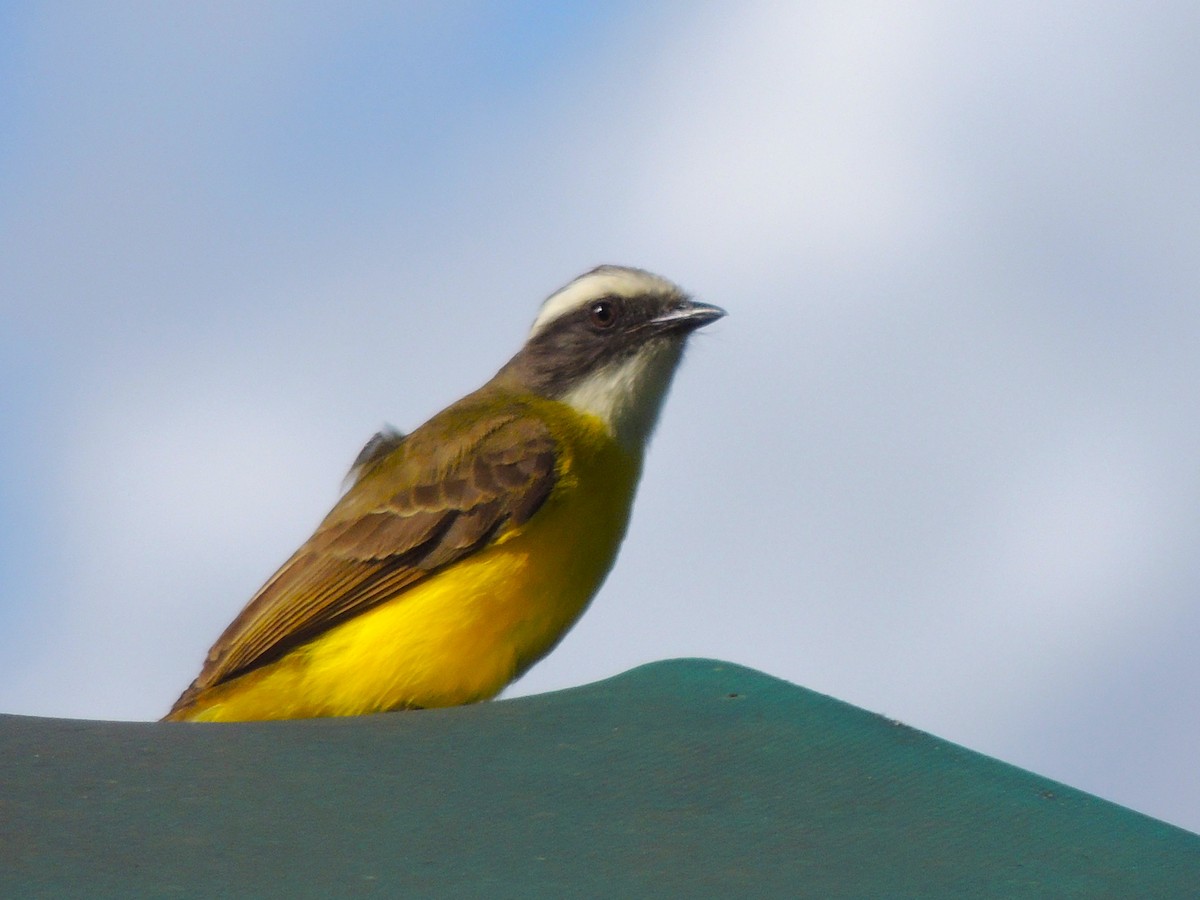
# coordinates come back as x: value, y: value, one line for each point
x: 463, y: 552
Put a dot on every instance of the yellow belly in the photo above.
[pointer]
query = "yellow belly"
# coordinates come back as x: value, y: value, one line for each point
x: 464, y: 633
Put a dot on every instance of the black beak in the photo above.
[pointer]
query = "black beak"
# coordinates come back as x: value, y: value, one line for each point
x: 687, y: 316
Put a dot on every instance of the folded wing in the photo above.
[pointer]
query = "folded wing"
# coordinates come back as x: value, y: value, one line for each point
x: 442, y: 493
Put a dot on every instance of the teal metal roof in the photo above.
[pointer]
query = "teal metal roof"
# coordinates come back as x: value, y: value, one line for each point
x: 688, y: 778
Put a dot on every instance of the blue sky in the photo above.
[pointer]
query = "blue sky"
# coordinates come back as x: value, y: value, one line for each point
x: 940, y: 460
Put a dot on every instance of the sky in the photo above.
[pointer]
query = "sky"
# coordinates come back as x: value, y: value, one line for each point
x: 940, y: 460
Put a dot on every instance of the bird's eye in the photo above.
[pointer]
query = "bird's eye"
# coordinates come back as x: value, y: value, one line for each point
x: 602, y: 314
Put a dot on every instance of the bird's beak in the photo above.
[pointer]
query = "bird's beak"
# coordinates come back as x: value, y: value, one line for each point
x: 687, y: 316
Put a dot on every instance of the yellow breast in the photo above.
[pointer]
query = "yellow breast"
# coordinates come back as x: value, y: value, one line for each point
x: 465, y: 632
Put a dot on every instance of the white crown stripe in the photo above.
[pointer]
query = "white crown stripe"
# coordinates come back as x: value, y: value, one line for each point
x: 606, y: 281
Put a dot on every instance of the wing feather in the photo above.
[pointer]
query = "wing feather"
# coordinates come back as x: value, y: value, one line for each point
x: 441, y: 493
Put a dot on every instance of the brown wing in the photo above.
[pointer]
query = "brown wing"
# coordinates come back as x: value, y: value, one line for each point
x: 441, y: 494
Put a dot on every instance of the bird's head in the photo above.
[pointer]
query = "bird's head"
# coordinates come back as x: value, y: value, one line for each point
x: 608, y: 344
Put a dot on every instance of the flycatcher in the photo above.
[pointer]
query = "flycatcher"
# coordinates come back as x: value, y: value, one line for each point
x: 463, y: 552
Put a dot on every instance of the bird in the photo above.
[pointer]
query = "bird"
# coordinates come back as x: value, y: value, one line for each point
x: 462, y: 552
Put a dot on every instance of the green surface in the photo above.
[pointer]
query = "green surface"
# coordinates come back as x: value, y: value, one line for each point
x: 688, y: 778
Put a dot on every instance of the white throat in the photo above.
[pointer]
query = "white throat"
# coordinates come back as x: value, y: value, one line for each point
x: 627, y: 396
